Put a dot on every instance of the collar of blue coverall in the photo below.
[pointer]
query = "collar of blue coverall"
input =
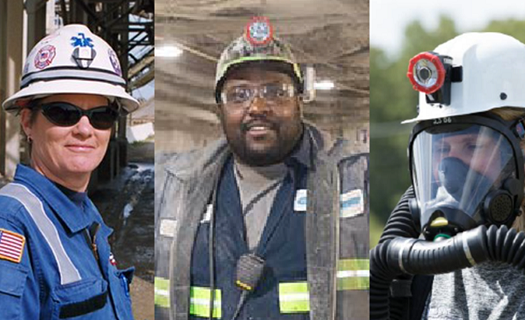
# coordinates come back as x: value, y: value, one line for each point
x: 68, y: 212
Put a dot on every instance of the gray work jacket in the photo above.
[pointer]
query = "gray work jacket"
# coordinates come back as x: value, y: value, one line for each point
x: 337, y: 233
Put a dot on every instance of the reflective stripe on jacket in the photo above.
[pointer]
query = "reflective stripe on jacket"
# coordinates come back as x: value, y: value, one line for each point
x: 336, y: 226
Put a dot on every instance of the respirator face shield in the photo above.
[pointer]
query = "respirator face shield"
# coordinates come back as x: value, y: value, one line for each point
x: 467, y: 171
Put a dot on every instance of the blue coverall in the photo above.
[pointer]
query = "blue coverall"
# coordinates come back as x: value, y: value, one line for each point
x: 64, y: 269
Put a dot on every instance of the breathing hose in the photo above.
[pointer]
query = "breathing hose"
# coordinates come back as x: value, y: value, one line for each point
x: 399, y: 224
x: 402, y: 254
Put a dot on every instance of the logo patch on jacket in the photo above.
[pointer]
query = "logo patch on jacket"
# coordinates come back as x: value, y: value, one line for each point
x: 352, y: 203
x: 11, y: 245
x: 300, y: 201
x: 167, y: 227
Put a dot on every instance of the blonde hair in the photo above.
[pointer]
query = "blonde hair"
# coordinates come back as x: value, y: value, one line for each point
x: 509, y: 114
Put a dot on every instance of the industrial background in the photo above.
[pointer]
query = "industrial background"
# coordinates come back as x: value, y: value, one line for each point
x: 331, y: 36
x: 123, y: 191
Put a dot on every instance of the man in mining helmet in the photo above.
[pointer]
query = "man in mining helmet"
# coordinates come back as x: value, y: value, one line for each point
x: 466, y: 162
x: 258, y: 230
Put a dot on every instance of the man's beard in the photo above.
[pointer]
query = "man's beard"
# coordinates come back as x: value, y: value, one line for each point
x: 285, y: 142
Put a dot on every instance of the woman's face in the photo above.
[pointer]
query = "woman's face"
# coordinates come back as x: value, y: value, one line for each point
x: 67, y: 155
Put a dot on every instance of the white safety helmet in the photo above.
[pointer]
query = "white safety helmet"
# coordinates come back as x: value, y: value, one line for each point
x: 483, y: 70
x: 72, y: 60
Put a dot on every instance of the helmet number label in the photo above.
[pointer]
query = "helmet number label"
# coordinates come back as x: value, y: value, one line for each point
x: 442, y: 120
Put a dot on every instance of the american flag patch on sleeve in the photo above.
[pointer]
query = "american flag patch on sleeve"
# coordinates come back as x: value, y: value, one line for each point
x: 11, y: 245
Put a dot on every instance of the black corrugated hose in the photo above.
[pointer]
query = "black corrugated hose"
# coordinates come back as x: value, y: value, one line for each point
x: 399, y: 224
x: 402, y: 255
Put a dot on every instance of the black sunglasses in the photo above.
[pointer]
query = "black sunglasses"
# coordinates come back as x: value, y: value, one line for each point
x: 65, y: 114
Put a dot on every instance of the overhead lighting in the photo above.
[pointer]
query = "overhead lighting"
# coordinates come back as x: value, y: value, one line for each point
x: 168, y: 51
x: 324, y: 85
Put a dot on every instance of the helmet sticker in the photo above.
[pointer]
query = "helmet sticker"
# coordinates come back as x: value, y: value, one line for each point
x: 114, y: 62
x: 81, y: 41
x: 84, y: 56
x: 259, y: 31
x: 45, y: 56
x: 84, y: 52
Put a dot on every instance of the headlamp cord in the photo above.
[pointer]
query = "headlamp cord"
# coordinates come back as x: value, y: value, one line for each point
x: 242, y: 300
x: 211, y: 259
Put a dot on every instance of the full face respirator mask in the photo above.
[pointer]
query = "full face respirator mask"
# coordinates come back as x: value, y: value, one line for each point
x: 466, y: 171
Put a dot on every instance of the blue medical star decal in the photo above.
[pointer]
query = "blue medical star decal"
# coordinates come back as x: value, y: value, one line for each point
x: 81, y: 41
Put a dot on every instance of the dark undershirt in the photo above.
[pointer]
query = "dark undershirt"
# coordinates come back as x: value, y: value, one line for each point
x: 77, y: 198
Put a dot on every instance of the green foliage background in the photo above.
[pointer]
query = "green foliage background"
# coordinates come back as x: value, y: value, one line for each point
x: 393, y: 100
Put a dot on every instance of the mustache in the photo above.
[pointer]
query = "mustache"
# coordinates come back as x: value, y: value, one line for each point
x: 262, y: 121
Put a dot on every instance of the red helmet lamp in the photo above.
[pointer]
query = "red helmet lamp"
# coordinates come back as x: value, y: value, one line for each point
x: 426, y: 72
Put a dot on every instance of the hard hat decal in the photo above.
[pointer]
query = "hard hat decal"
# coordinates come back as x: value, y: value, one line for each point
x: 259, y: 31
x: 114, y: 62
x: 84, y: 56
x: 81, y: 41
x: 45, y: 56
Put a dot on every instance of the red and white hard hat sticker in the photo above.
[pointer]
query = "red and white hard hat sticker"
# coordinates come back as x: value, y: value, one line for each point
x: 259, y: 31
x: 45, y: 56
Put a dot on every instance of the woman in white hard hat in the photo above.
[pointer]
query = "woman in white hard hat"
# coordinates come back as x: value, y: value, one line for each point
x: 467, y: 166
x: 55, y: 260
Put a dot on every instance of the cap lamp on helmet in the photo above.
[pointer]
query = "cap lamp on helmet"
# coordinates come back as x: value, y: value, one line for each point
x: 487, y: 71
x: 257, y: 47
x: 426, y: 72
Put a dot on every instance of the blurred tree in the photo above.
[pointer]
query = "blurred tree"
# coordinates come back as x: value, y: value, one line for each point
x: 392, y: 101
x: 515, y: 28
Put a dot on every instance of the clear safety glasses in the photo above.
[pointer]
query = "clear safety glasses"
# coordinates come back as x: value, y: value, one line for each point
x: 243, y: 95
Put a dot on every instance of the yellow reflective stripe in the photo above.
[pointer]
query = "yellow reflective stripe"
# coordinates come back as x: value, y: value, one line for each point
x: 353, y: 274
x: 162, y: 292
x: 294, y: 297
x: 200, y: 302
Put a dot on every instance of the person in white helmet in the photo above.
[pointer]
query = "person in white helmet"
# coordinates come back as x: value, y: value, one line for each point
x: 466, y: 161
x: 55, y: 260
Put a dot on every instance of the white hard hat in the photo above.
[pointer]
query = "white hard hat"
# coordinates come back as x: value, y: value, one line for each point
x: 72, y: 60
x: 493, y: 76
